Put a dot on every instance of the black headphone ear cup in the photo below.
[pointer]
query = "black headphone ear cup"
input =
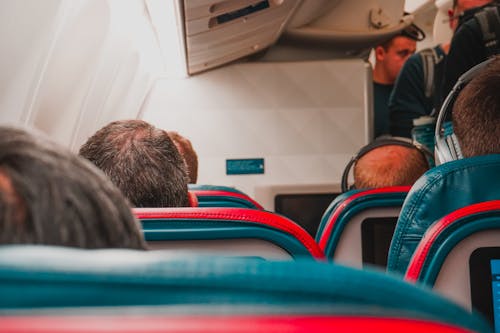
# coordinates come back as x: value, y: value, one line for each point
x: 344, y: 183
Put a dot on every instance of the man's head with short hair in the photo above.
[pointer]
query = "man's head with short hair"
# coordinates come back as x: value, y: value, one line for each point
x: 142, y: 161
x: 391, y: 165
x: 187, y: 152
x: 390, y: 57
x: 476, y: 113
x: 50, y: 196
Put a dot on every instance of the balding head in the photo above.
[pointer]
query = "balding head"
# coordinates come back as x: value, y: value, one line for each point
x: 390, y: 165
x: 142, y: 161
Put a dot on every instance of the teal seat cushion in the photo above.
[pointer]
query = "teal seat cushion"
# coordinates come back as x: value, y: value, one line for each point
x: 53, y: 277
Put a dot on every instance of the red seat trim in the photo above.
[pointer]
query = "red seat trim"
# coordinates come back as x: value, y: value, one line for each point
x: 235, y: 214
x: 216, y: 323
x: 424, y: 246
x: 338, y: 211
x: 193, y: 199
x: 227, y: 194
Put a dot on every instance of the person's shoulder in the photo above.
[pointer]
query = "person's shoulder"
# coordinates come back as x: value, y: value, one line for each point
x: 471, y: 25
x: 414, y: 63
x: 439, y: 50
x: 467, y: 33
x: 415, y: 58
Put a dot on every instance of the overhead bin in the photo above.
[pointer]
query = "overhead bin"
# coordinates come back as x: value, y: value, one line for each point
x: 351, y: 25
x: 218, y: 32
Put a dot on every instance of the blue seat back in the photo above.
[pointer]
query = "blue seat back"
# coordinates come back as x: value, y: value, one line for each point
x: 438, y: 192
x: 36, y: 277
x: 442, y: 258
x: 340, y: 231
x: 222, y: 196
x: 236, y: 231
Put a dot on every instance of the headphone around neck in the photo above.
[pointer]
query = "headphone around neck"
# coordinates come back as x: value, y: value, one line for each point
x: 447, y: 147
x: 380, y: 142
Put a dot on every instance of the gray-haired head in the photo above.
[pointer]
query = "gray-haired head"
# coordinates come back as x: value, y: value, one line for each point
x: 142, y: 161
x: 53, y: 197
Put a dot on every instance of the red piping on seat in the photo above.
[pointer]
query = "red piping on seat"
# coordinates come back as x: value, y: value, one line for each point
x: 235, y: 214
x: 193, y: 199
x: 222, y: 324
x: 425, y: 244
x: 333, y: 218
x: 227, y: 194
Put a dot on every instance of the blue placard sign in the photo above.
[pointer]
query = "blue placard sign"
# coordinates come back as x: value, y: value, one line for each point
x: 246, y: 166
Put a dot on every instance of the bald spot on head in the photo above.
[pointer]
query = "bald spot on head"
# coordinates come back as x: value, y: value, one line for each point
x: 391, y: 165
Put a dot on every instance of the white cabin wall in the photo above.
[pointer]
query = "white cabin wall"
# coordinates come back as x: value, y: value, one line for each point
x: 304, y: 118
x: 25, y: 30
x: 71, y: 66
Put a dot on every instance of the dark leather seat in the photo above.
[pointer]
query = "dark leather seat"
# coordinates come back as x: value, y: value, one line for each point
x: 438, y: 192
x: 442, y: 258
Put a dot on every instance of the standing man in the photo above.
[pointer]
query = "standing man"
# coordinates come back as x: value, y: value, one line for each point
x: 389, y: 58
x: 476, y: 39
x: 417, y: 90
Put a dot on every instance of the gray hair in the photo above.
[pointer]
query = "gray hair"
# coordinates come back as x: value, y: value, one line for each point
x: 142, y: 161
x: 50, y: 196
